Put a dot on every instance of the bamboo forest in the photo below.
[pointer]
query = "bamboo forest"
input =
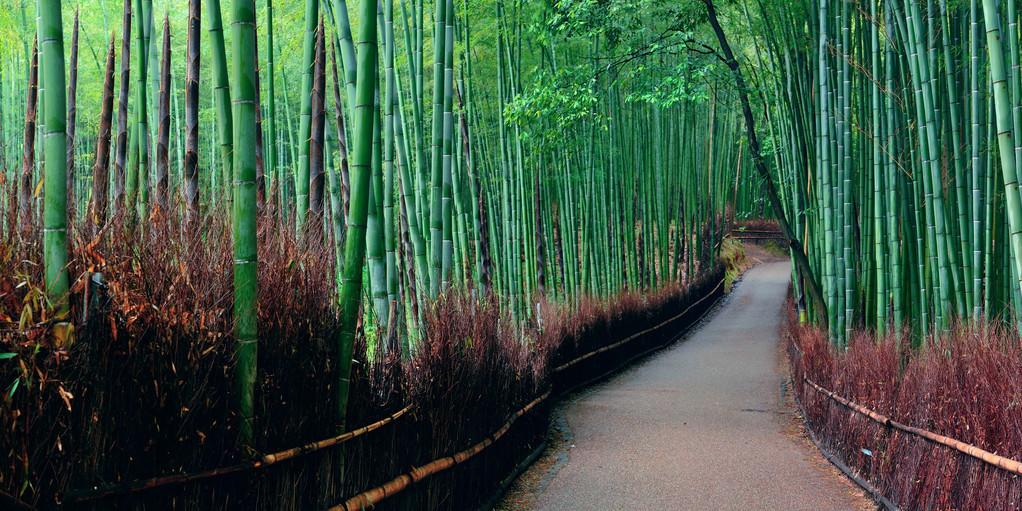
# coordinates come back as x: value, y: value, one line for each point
x: 510, y: 254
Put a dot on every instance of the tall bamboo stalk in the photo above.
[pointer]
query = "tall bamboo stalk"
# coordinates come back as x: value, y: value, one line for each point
x: 191, y: 163
x: 436, y: 223
x: 354, y: 244
x: 122, y: 111
x: 72, y: 117
x: 246, y: 285
x: 796, y: 247
x: 51, y: 49
x: 26, y: 184
x: 101, y: 167
x: 317, y: 121
x: 446, y: 182
x: 138, y: 194
x: 390, y: 104
x: 163, y: 120
x: 271, y: 113
x: 1005, y: 135
x: 305, y: 123
x: 221, y: 95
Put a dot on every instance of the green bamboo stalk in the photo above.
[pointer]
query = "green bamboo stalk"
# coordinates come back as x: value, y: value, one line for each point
x: 976, y: 139
x: 389, y: 149
x: 260, y: 161
x: 964, y: 267
x: 1005, y: 138
x: 436, y: 177
x: 342, y: 146
x: 336, y: 209
x: 51, y: 49
x: 305, y: 124
x: 163, y: 119
x: 316, y: 127
x: 246, y: 286
x: 447, y: 188
x: 221, y: 97
x: 893, y: 183
x: 830, y: 270
x: 417, y: 215
x: 844, y: 192
x: 138, y: 198
x: 1015, y: 77
x: 878, y: 197
x: 932, y: 167
x: 271, y: 113
x: 354, y: 243
x: 375, y: 244
x: 347, y: 47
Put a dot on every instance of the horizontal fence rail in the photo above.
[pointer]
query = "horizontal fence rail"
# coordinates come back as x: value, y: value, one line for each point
x: 756, y: 235
x: 634, y: 336
x: 1006, y: 464
x: 260, y: 462
x: 371, y: 497
x: 398, y: 484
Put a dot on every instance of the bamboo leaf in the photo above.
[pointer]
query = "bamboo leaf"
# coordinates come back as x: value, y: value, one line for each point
x: 13, y: 388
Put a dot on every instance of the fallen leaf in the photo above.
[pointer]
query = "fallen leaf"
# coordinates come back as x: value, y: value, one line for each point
x: 66, y: 396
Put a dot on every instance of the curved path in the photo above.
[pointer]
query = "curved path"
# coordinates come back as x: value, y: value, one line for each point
x: 702, y: 425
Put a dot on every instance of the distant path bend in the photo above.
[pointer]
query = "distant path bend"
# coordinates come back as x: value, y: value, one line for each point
x: 702, y: 425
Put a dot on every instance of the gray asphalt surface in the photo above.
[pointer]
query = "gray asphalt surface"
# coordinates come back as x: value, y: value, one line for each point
x: 702, y: 425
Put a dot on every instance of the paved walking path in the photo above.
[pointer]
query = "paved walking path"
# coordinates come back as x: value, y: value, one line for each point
x: 702, y: 425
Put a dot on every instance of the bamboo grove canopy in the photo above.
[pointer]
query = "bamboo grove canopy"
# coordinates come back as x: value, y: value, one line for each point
x: 525, y: 150
x: 533, y: 149
x: 898, y: 129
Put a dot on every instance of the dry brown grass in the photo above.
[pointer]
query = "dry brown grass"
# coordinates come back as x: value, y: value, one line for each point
x: 966, y: 385
x: 145, y: 388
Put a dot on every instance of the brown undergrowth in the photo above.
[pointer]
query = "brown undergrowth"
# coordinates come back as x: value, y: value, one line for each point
x: 143, y: 386
x: 966, y: 384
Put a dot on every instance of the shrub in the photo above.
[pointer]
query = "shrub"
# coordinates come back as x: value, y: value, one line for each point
x: 143, y: 387
x: 966, y: 384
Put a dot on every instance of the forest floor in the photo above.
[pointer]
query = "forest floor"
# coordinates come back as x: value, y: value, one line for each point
x: 705, y: 424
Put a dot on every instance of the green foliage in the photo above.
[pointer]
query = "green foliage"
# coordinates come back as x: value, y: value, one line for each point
x: 556, y: 101
x: 620, y: 23
x: 665, y: 85
x: 732, y: 254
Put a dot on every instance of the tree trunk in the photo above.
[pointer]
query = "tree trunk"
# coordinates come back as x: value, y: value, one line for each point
x: 122, y: 110
x: 191, y: 170
x: 72, y: 116
x: 100, y: 170
x: 26, y: 185
x: 775, y: 202
x: 163, y: 129
x: 260, y: 163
